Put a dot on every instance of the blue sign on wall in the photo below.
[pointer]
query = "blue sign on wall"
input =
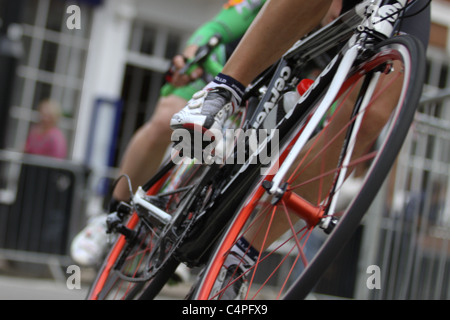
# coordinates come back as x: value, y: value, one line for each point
x: 90, y: 2
x: 93, y: 2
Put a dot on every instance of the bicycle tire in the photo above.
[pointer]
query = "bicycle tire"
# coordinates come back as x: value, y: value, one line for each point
x: 300, y: 280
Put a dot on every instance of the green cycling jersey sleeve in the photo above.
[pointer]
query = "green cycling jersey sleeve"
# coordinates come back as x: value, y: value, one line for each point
x: 231, y: 22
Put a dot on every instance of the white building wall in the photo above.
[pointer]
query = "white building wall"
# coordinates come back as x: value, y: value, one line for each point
x: 105, y: 64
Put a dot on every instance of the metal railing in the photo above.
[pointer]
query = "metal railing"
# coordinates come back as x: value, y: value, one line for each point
x: 42, y: 205
x: 407, y: 231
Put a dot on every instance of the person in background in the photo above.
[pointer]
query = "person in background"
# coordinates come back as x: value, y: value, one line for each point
x: 45, y: 138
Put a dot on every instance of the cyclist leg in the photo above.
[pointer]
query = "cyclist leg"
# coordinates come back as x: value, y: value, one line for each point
x: 273, y: 32
x: 147, y: 147
x: 142, y: 158
x: 149, y: 144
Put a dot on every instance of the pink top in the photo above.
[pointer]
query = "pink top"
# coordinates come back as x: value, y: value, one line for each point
x: 51, y: 143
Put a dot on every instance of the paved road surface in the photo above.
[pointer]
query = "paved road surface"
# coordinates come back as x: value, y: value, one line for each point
x: 16, y: 288
x: 22, y: 281
x: 21, y: 288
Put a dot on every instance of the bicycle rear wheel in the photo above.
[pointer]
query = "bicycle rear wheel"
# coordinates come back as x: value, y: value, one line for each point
x: 332, y: 183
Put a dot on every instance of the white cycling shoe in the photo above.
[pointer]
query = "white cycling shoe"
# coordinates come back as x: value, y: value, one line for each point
x: 210, y: 107
x: 90, y: 245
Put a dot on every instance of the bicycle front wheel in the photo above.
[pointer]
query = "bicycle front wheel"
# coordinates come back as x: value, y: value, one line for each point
x: 273, y: 248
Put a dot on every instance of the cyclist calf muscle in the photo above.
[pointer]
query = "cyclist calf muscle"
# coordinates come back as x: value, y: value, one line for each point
x: 149, y: 142
x: 273, y: 32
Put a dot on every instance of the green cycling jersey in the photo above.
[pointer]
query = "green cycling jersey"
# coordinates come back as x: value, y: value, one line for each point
x: 231, y: 23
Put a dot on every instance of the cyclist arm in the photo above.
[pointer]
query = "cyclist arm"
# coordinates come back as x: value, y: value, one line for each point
x: 179, y: 61
x: 231, y: 23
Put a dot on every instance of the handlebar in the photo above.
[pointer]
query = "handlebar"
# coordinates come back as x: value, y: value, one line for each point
x: 201, y: 59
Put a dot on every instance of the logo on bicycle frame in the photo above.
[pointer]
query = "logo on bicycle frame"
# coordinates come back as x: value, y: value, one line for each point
x: 216, y: 146
x: 278, y: 86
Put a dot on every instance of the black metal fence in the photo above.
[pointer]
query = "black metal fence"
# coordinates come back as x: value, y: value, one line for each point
x: 42, y: 204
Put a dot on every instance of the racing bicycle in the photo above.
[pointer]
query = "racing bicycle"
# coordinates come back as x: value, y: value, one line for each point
x: 356, y: 84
